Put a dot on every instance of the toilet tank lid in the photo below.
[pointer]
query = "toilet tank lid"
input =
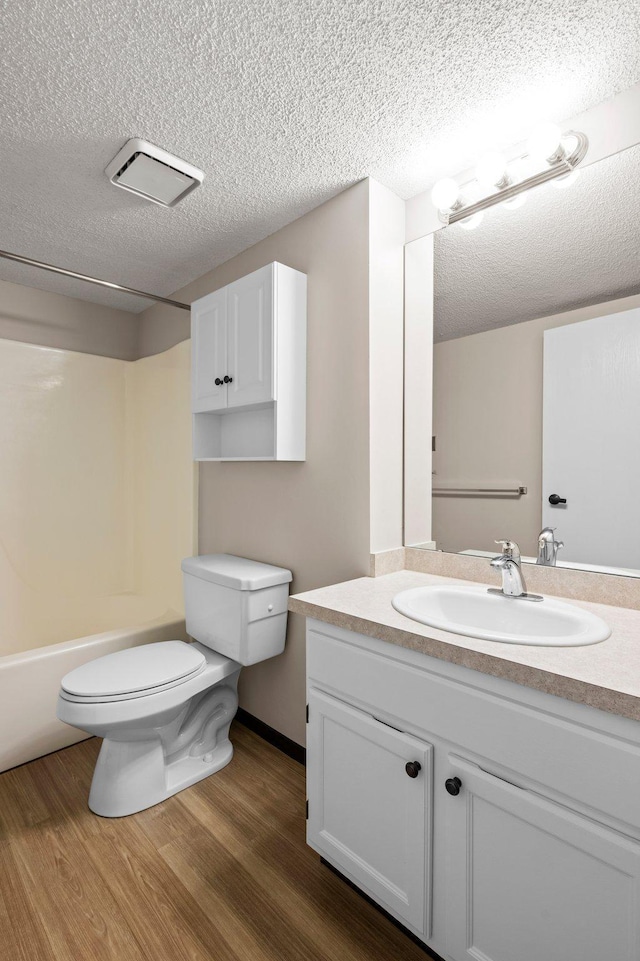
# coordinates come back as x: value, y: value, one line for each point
x: 237, y: 572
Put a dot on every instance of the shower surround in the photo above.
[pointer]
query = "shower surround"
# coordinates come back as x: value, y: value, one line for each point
x: 97, y: 495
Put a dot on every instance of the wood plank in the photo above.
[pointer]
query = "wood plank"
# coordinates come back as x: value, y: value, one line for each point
x: 168, y: 922
x: 22, y: 933
x: 289, y: 874
x: 81, y: 918
x: 22, y: 805
x: 219, y: 871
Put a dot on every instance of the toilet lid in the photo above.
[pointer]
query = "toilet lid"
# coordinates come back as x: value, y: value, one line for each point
x: 136, y: 669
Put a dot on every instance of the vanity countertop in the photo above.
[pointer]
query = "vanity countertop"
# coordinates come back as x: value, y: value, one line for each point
x: 604, y: 676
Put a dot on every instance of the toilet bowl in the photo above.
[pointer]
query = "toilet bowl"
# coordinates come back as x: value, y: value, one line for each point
x: 164, y: 709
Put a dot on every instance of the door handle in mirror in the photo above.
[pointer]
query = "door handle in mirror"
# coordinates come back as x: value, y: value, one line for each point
x: 227, y: 379
x: 218, y: 382
x: 555, y: 499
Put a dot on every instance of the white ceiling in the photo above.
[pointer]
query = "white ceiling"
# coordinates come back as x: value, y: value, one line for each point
x: 565, y: 248
x: 282, y: 103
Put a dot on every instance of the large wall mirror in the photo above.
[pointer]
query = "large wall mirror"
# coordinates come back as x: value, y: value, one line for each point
x: 536, y: 373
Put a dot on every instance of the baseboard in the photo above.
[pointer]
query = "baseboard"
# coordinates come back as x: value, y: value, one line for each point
x: 291, y: 748
x: 394, y: 921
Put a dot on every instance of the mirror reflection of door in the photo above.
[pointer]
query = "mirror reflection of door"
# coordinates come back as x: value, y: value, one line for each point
x: 591, y: 444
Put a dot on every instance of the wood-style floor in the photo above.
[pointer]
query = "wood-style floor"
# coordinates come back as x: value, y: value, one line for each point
x: 220, y: 872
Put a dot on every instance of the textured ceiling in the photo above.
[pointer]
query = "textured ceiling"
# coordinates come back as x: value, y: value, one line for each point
x: 564, y: 249
x: 282, y: 103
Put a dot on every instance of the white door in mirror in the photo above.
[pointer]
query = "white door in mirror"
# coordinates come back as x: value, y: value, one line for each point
x: 474, y: 612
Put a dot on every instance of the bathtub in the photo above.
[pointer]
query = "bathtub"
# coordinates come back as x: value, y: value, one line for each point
x: 30, y: 680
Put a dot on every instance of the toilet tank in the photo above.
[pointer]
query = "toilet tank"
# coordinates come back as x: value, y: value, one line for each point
x: 235, y: 606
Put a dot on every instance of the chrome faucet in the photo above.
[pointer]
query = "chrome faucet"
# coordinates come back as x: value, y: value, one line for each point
x: 548, y: 547
x: 508, y: 563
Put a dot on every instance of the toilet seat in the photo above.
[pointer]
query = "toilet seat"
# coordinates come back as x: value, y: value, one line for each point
x: 133, y: 673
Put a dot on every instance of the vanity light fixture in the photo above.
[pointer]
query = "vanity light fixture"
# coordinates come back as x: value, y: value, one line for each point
x: 557, y: 155
x: 470, y: 223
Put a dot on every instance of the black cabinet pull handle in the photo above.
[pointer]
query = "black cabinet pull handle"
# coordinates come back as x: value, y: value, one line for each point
x: 219, y: 382
x: 453, y: 785
x: 413, y: 768
x: 227, y: 379
x: 556, y: 499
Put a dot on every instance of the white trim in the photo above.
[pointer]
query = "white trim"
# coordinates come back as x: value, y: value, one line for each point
x: 418, y: 397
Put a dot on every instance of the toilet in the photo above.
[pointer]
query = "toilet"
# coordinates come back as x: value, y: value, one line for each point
x: 164, y: 709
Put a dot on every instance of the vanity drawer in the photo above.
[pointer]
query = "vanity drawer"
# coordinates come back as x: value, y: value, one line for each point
x: 548, y: 743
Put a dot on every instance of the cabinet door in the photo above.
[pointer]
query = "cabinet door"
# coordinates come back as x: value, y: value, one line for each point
x: 209, y: 351
x: 366, y: 814
x: 530, y: 880
x: 250, y: 352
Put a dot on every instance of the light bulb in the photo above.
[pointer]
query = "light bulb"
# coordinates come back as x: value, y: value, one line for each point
x: 518, y: 201
x: 491, y: 170
x: 545, y: 142
x: 445, y: 193
x: 561, y: 182
x: 470, y: 223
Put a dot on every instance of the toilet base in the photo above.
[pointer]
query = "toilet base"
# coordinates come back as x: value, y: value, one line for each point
x: 153, y: 782
x: 143, y: 765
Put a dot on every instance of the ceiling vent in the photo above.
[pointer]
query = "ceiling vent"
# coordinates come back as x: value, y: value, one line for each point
x: 153, y: 173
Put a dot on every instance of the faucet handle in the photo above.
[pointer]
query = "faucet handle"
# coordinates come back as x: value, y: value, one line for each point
x: 509, y: 548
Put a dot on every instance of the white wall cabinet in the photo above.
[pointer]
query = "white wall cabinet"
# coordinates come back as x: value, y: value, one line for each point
x: 251, y: 312
x: 209, y: 352
x: 534, y: 801
x: 249, y: 368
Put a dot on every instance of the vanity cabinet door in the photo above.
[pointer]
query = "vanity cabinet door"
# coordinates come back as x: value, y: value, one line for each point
x: 370, y: 790
x: 251, y: 317
x: 528, y: 879
x: 209, y: 352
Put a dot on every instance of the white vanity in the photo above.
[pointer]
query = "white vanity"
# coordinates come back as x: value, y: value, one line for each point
x: 447, y: 779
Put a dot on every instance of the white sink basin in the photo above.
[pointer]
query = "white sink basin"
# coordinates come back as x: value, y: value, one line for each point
x: 474, y: 612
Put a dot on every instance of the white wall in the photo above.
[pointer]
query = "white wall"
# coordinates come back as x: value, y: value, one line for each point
x: 418, y: 390
x: 386, y: 359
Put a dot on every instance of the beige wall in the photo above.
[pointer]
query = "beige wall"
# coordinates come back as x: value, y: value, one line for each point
x: 488, y: 426
x: 161, y: 476
x: 35, y: 316
x: 162, y: 326
x: 96, y: 491
x: 313, y: 517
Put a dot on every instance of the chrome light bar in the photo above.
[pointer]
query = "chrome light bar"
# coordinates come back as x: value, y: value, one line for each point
x: 558, y: 168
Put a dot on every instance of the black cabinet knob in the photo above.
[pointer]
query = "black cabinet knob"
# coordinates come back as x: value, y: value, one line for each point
x: 556, y: 499
x: 453, y: 785
x: 228, y: 380
x: 413, y: 768
x: 219, y: 382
